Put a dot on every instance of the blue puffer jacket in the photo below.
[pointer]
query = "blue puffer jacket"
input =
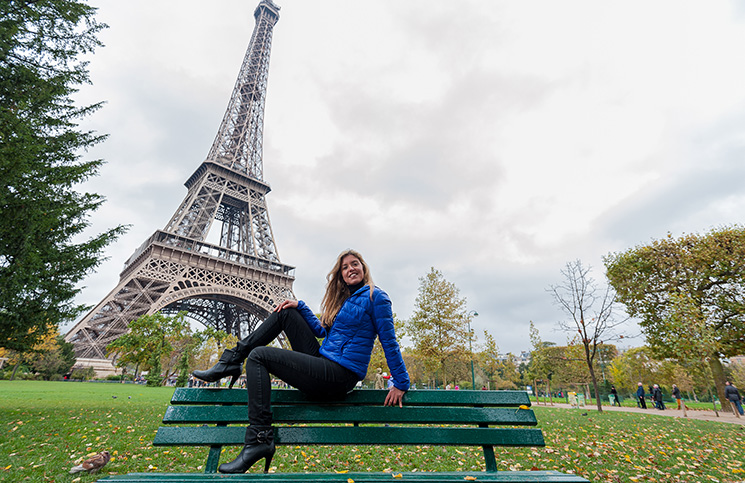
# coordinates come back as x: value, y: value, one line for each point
x: 350, y: 339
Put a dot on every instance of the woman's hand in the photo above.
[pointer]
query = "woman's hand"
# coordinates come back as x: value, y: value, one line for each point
x: 395, y: 396
x: 287, y: 304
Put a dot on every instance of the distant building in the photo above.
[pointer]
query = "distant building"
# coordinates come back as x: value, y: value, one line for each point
x: 523, y: 358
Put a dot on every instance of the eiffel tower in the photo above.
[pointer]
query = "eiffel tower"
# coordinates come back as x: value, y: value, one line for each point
x: 230, y: 286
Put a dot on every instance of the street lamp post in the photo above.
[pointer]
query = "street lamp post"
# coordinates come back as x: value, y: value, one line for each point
x: 470, y: 347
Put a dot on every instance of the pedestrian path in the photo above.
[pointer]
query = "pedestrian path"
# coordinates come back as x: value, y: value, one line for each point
x: 701, y: 414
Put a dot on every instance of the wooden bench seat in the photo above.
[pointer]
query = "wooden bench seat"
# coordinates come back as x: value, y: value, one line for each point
x: 202, y: 417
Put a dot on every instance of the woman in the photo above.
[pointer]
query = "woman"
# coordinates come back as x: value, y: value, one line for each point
x: 614, y: 393
x: 353, y: 313
x: 676, y: 394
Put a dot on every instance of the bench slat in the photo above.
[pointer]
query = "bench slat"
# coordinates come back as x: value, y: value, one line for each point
x: 419, y: 397
x: 357, y: 414
x: 348, y: 435
x: 377, y: 477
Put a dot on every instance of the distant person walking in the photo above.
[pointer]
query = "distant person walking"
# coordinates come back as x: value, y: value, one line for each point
x: 657, y: 397
x: 676, y: 394
x: 733, y: 395
x: 614, y: 393
x: 640, y: 396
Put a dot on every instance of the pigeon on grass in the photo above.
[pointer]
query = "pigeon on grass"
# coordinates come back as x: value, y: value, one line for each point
x: 92, y: 464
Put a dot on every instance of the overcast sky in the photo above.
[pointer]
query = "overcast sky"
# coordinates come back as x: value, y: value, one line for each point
x: 495, y: 141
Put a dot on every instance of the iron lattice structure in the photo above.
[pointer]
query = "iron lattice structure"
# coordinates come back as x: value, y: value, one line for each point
x: 232, y: 285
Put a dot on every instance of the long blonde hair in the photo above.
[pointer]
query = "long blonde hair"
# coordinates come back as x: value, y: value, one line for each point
x: 337, y: 290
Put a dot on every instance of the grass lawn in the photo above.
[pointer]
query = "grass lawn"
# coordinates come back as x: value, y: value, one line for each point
x: 47, y: 427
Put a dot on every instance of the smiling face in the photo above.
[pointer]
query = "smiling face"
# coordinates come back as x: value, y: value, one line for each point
x: 352, y: 271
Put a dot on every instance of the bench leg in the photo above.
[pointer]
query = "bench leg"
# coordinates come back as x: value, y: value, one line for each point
x: 213, y: 459
x: 491, y: 461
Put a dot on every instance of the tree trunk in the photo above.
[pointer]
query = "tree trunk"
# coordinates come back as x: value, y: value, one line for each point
x: 593, y: 377
x: 718, y: 372
x: 595, y: 386
x: 15, y: 368
x: 713, y: 403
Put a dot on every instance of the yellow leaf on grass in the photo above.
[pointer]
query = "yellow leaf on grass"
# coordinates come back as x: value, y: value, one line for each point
x: 398, y: 475
x: 470, y: 478
x: 350, y: 480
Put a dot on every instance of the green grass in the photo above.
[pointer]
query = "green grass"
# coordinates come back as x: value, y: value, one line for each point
x: 49, y: 426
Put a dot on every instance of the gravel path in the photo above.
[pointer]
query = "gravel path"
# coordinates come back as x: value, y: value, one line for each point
x: 704, y: 415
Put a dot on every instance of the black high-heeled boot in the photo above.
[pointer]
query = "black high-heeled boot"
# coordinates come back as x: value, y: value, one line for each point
x: 259, y: 444
x: 229, y: 365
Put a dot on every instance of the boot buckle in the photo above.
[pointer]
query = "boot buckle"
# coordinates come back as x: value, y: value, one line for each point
x: 262, y: 437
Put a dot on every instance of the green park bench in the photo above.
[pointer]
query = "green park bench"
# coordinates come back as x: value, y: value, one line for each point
x: 203, y: 417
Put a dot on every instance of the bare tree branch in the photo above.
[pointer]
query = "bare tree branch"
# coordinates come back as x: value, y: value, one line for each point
x: 590, y: 310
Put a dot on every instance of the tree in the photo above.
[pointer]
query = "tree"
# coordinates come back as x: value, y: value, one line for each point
x: 500, y: 372
x: 562, y: 365
x: 83, y: 373
x: 489, y: 362
x: 541, y: 359
x: 738, y: 374
x: 638, y: 365
x: 590, y: 312
x: 212, y: 343
x: 41, y: 213
x: 377, y: 357
x: 569, y: 364
x: 183, y: 369
x: 511, y: 372
x: 14, y: 359
x: 439, y: 327
x: 151, y: 341
x: 688, y: 295
x: 53, y: 357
